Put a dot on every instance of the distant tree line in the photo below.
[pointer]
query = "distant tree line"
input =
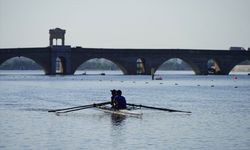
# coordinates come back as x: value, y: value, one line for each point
x: 22, y: 63
x: 175, y: 65
x: 98, y: 64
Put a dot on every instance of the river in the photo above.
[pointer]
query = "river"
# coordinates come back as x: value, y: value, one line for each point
x: 220, y: 107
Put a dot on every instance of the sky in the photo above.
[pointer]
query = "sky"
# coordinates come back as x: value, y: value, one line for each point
x: 191, y: 24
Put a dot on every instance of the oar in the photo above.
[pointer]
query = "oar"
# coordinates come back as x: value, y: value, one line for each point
x: 70, y: 110
x: 81, y: 107
x: 158, y: 108
x: 87, y: 106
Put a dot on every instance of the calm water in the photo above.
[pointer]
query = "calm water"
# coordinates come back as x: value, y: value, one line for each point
x: 220, y: 108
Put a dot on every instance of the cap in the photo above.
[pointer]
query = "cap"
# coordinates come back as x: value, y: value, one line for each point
x: 113, y: 90
x: 119, y: 92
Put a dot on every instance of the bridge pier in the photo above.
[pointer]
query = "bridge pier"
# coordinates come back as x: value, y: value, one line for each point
x: 226, y: 65
x: 199, y: 65
x: 127, y: 65
x: 60, y: 55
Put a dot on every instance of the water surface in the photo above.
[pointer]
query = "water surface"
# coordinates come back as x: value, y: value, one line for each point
x: 220, y: 108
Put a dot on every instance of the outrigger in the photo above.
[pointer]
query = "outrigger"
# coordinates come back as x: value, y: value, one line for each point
x: 130, y: 111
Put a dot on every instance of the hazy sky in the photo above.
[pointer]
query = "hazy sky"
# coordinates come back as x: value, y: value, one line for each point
x: 213, y: 24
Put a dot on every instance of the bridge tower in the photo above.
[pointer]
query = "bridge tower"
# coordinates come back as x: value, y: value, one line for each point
x: 60, y: 61
x: 56, y: 33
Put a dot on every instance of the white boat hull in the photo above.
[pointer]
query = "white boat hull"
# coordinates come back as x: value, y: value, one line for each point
x: 125, y: 112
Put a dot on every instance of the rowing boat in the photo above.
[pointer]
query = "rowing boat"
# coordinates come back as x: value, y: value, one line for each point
x: 125, y: 112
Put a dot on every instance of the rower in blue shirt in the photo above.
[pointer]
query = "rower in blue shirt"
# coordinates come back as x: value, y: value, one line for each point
x: 120, y: 101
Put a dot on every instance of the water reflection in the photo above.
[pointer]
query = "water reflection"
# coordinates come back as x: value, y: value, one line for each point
x: 117, y: 120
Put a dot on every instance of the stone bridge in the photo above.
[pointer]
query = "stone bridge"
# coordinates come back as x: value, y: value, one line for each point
x: 127, y: 59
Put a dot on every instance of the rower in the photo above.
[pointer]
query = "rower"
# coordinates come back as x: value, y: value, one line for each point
x: 120, y: 101
x: 114, y: 94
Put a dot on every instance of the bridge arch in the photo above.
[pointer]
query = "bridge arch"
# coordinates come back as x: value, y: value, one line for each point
x: 181, y: 64
x: 21, y: 63
x: 243, y: 66
x: 100, y: 63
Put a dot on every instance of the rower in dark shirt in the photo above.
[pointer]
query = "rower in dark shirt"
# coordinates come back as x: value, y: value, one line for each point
x: 114, y: 94
x: 120, y: 101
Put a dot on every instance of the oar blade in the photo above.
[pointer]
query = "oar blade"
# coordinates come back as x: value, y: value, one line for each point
x: 158, y: 108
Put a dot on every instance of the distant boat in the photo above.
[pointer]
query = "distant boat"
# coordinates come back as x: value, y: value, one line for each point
x: 158, y: 78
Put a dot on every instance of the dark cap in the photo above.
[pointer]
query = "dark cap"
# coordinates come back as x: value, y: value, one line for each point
x: 113, y: 90
x: 119, y: 92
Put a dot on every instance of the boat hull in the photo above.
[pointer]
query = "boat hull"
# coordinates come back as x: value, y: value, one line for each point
x: 125, y: 112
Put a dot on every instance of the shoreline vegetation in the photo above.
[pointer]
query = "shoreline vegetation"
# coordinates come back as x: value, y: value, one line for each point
x: 22, y: 63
